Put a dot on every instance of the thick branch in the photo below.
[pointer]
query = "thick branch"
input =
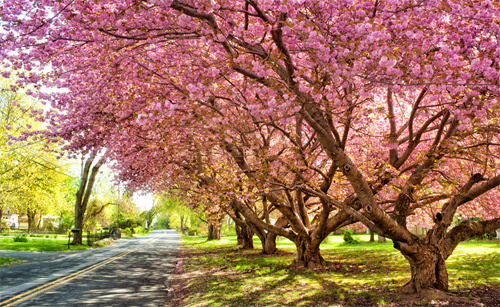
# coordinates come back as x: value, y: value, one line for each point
x: 465, y: 230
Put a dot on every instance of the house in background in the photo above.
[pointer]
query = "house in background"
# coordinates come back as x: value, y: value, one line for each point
x: 11, y: 219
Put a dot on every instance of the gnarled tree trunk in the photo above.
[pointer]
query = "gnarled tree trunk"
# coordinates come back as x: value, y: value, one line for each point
x: 308, y: 253
x: 428, y: 268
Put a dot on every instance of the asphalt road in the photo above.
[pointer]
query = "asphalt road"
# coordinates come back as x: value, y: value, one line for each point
x: 130, y: 272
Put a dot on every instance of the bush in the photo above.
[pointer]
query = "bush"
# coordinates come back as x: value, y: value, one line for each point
x: 128, y: 232
x: 348, y: 238
x: 103, y: 242
x: 20, y: 238
x: 138, y: 229
x: 487, y: 236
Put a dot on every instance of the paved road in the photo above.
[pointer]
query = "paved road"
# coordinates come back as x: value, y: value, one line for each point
x: 133, y: 272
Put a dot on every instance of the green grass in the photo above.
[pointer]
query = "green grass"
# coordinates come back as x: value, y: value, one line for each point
x: 6, y: 261
x: 13, y: 233
x: 219, y: 274
x: 38, y: 245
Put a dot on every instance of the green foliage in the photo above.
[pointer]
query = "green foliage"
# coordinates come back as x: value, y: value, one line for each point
x: 125, y: 221
x: 128, y: 232
x: 103, y: 242
x: 21, y: 238
x: 66, y: 220
x: 138, y: 230
x: 348, y: 237
x: 228, y: 229
x: 162, y: 221
x: 487, y: 236
x: 173, y: 213
x: 5, y: 228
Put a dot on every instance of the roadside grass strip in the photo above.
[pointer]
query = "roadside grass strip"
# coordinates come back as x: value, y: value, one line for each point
x: 7, y: 261
x: 30, y: 293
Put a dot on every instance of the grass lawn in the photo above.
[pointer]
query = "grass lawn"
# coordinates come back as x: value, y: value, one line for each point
x: 365, y: 274
x: 38, y: 245
x: 6, y: 261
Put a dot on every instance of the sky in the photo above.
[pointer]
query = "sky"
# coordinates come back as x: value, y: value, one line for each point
x: 143, y: 201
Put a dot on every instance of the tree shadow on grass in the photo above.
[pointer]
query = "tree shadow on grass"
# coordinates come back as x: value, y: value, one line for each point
x: 247, y: 278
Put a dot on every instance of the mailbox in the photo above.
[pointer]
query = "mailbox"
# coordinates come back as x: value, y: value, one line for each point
x: 75, y: 230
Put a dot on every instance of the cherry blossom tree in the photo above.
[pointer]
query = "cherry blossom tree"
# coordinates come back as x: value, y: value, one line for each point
x: 384, y: 112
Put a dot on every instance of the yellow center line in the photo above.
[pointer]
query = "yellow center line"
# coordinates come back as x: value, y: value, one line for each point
x: 30, y: 293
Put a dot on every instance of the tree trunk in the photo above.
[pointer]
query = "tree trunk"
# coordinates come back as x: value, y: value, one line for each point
x: 183, y: 228
x: 246, y: 236
x: 308, y: 254
x: 83, y: 196
x: 213, y: 232
x: 372, y: 236
x: 1, y: 214
x: 31, y: 220
x: 40, y: 221
x: 239, y: 235
x: 428, y: 269
x: 269, y: 244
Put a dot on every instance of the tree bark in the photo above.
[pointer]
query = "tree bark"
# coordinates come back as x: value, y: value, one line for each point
x: 39, y: 222
x: 246, y: 235
x: 183, y: 228
x: 372, y: 236
x: 428, y: 269
x: 269, y: 244
x: 308, y: 254
x: 239, y: 235
x: 213, y: 232
x: 83, y: 196
x: 31, y: 219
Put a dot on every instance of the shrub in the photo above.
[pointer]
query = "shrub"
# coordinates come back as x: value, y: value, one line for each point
x: 21, y: 238
x: 348, y: 238
x: 487, y: 236
x: 138, y: 229
x: 103, y: 242
x: 128, y: 232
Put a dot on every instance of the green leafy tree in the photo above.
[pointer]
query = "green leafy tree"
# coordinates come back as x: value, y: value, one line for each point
x: 30, y: 173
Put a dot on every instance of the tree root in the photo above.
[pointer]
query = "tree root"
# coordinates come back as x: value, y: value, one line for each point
x: 433, y: 296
